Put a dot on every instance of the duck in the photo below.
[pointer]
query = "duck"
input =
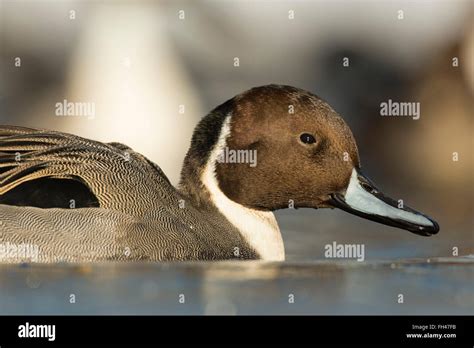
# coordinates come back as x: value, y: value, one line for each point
x: 79, y: 200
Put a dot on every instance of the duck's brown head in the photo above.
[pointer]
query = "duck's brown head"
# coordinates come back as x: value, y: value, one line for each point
x: 275, y: 147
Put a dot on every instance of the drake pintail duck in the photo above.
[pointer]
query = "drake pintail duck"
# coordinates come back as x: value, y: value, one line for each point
x: 82, y: 200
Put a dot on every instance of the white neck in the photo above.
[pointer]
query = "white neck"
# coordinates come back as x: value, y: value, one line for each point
x: 258, y: 228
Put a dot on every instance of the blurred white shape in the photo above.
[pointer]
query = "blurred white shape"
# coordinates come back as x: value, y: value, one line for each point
x: 125, y: 64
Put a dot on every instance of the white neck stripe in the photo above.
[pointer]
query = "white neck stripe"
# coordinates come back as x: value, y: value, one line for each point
x: 259, y: 229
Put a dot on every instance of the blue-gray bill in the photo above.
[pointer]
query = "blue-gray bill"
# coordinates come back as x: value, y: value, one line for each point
x: 363, y: 199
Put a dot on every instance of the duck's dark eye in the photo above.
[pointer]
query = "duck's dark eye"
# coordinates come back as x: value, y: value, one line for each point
x: 307, y: 138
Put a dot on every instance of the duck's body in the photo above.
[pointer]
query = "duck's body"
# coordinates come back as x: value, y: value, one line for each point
x: 132, y: 211
x: 81, y: 200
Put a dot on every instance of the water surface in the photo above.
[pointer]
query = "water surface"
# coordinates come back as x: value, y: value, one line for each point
x: 433, y: 286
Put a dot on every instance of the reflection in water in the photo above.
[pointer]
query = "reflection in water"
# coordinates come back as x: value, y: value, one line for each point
x: 436, y: 286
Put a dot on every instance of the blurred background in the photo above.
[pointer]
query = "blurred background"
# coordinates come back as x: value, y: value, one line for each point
x: 154, y: 68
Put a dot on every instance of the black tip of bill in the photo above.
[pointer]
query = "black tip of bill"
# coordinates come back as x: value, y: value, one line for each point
x: 363, y: 199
